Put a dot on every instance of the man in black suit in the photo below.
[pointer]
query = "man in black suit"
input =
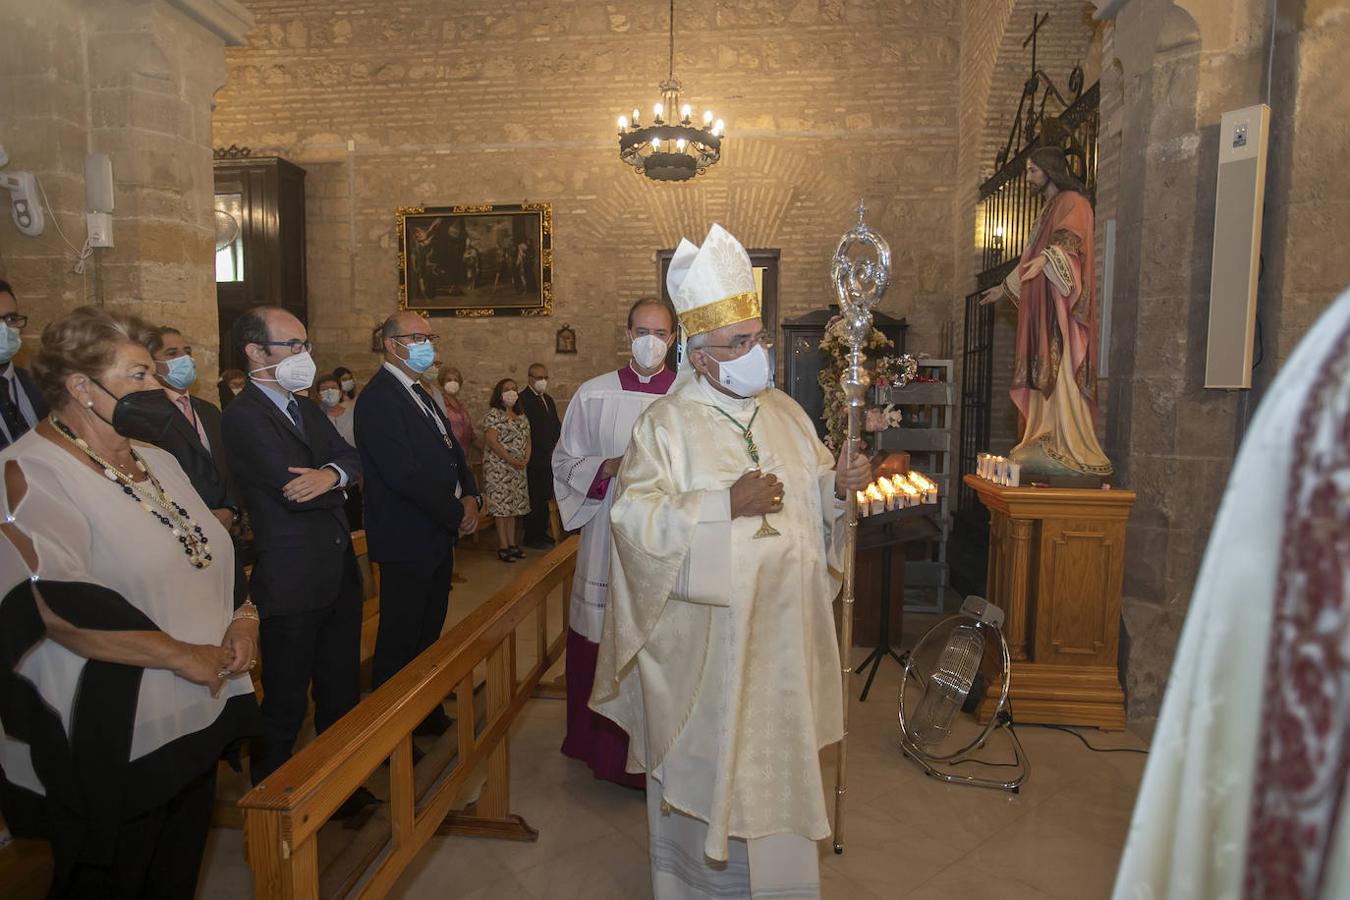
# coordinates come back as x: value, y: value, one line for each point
x: 420, y: 496
x: 21, y: 405
x: 193, y: 436
x: 545, y: 427
x: 290, y: 465
x: 190, y: 430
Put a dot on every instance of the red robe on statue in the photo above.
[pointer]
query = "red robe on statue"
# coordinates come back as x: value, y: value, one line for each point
x: 1054, y: 383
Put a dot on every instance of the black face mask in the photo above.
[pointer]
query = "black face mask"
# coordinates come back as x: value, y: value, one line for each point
x: 141, y: 415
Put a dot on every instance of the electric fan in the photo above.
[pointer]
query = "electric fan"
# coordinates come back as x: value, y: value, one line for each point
x: 227, y: 229
x: 944, y: 667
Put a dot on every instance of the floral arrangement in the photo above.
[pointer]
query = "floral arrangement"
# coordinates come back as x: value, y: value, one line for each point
x: 884, y: 370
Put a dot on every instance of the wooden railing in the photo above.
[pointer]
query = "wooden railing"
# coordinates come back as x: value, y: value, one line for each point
x: 283, y: 815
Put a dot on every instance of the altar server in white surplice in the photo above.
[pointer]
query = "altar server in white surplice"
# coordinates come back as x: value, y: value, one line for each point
x: 595, y: 434
x: 718, y: 655
x: 1245, y: 793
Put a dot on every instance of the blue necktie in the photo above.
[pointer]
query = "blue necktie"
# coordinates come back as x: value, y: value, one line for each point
x: 293, y: 410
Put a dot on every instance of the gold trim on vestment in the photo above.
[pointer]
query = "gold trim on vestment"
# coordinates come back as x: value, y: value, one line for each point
x: 720, y: 313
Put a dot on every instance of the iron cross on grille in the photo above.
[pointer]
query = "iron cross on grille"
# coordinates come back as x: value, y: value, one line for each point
x: 1036, y: 22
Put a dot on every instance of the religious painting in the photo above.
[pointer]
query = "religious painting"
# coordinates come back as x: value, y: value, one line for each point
x: 566, y: 340
x: 476, y: 261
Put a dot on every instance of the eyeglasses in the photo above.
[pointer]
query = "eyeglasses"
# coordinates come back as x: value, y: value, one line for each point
x: 14, y: 320
x: 418, y: 338
x: 744, y: 343
x: 296, y: 345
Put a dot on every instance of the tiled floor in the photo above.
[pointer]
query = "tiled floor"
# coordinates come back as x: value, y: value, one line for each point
x: 906, y: 835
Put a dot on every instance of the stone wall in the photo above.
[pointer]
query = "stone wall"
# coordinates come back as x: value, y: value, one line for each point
x: 132, y: 79
x: 419, y: 102
x: 1174, y: 69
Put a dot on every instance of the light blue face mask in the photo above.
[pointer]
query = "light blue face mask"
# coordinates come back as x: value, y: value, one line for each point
x: 10, y: 342
x: 420, y: 356
x: 182, y: 372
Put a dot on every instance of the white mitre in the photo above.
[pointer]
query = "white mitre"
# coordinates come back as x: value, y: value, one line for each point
x: 712, y: 285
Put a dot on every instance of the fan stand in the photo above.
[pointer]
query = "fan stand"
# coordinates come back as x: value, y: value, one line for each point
x: 989, y: 617
x: 1003, y: 723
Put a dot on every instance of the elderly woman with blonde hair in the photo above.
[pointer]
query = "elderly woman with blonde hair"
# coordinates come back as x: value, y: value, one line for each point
x: 125, y: 658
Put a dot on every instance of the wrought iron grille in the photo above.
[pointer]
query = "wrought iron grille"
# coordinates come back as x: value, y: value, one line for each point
x: 977, y: 367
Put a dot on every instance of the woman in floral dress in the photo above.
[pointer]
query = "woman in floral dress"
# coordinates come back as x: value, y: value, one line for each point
x: 506, y: 432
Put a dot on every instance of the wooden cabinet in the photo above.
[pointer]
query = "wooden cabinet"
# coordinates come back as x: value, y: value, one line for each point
x: 1056, y: 563
x: 801, y: 356
x: 260, y: 259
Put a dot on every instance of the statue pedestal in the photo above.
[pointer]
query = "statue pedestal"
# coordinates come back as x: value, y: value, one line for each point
x: 1056, y: 560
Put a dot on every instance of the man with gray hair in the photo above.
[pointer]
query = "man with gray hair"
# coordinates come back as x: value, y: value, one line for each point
x: 420, y: 496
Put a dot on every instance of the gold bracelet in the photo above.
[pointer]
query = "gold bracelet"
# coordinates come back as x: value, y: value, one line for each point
x: 246, y: 611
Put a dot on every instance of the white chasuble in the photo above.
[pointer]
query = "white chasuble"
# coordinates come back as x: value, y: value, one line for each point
x: 1245, y: 777
x: 597, y: 427
x: 718, y: 654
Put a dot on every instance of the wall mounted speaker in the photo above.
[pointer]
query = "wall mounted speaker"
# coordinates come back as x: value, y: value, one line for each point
x: 1244, y: 137
x: 98, y: 183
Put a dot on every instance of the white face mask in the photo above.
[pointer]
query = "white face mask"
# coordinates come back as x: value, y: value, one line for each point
x: 294, y: 373
x: 330, y: 396
x: 649, y: 351
x: 452, y: 387
x: 509, y: 398
x: 348, y: 385
x: 541, y: 385
x: 748, y: 375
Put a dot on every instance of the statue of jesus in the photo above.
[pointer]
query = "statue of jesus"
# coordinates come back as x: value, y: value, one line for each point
x: 1054, y: 383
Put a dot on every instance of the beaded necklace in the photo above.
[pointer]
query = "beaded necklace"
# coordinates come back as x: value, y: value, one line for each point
x: 145, y: 493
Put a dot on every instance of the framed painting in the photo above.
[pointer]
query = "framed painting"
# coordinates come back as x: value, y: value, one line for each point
x: 476, y: 261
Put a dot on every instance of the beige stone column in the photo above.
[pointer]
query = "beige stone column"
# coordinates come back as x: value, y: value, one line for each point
x: 133, y: 79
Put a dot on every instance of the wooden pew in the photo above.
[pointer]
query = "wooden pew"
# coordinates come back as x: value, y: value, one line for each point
x: 283, y: 815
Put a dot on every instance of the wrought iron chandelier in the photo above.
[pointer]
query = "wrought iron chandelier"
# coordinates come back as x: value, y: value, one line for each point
x: 674, y: 149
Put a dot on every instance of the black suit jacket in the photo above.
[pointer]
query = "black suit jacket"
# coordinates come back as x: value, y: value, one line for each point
x: 205, y: 468
x: 411, y: 511
x: 301, y: 547
x: 26, y: 384
x: 545, y: 427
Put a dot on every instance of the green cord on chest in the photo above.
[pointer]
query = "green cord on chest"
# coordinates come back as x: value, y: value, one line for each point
x: 750, y: 444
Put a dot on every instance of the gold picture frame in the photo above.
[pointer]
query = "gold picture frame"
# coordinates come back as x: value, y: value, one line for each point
x: 477, y: 261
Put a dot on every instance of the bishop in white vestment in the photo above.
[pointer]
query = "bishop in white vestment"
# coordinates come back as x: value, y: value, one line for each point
x: 718, y: 655
x: 1245, y: 793
x: 595, y: 434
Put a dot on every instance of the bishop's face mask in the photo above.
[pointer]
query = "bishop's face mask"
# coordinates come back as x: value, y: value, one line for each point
x: 141, y: 415
x: 746, y: 375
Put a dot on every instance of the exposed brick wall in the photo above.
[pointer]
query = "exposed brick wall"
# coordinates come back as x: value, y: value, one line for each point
x: 825, y: 102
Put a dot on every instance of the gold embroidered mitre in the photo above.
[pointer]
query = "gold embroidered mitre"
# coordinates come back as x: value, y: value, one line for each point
x: 712, y: 285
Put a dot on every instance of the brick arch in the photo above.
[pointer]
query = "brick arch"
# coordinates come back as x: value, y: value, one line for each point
x: 760, y: 184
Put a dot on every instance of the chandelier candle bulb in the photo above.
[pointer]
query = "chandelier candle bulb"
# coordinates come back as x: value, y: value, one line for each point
x: 623, y: 124
x: 707, y: 117
x: 685, y: 111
